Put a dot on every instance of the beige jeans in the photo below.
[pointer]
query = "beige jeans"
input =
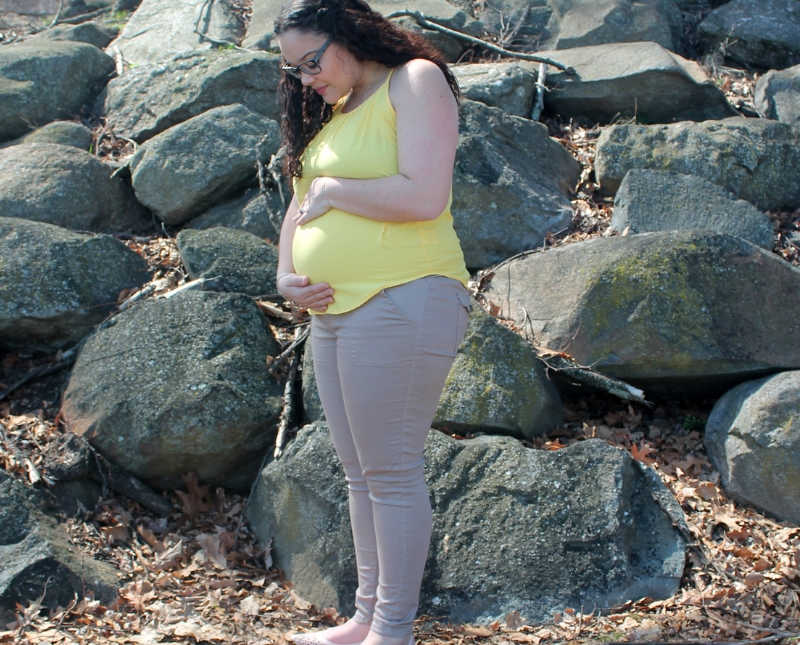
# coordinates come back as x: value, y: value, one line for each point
x: 380, y: 371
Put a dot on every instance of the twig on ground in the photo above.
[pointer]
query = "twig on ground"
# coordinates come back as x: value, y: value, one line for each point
x: 540, y: 90
x: 74, y: 20
x: 429, y: 24
x: 58, y: 15
x: 299, y: 337
x: 289, y: 396
x: 67, y: 359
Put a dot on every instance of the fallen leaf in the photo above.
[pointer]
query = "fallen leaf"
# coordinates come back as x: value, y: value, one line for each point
x: 250, y: 606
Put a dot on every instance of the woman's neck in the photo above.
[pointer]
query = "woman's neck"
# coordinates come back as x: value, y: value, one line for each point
x: 372, y: 75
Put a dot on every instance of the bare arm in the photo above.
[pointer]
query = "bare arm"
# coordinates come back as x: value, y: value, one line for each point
x: 427, y: 137
x: 291, y: 286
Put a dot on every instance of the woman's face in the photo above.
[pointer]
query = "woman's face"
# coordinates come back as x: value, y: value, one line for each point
x: 335, y: 77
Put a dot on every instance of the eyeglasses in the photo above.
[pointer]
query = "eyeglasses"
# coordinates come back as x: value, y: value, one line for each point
x: 310, y: 67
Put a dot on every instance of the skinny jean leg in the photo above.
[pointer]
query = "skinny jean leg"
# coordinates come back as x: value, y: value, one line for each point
x: 393, y: 356
x: 325, y: 349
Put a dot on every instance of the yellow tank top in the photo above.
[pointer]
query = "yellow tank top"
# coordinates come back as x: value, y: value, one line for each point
x: 356, y: 255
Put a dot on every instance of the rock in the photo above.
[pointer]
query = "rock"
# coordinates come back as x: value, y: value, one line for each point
x: 636, y: 80
x: 514, y: 528
x: 447, y: 14
x: 755, y: 33
x: 753, y: 438
x: 755, y: 159
x: 260, y: 33
x: 65, y: 133
x: 196, y: 164
x: 778, y: 95
x: 497, y: 385
x: 312, y: 405
x: 56, y: 285
x: 158, y: 29
x: 148, y: 99
x: 46, y: 80
x: 38, y: 561
x: 657, y: 200
x: 62, y: 185
x: 505, y: 199
x: 92, y: 33
x: 236, y: 260
x: 563, y: 24
x: 251, y: 212
x: 188, y: 393
x: 509, y: 86
x: 685, y: 311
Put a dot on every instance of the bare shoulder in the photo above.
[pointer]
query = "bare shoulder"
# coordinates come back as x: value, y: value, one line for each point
x: 418, y: 79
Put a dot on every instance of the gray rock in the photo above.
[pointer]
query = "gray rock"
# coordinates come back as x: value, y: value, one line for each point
x: 56, y: 285
x: 657, y: 200
x: 755, y: 159
x: 198, y: 163
x: 777, y: 95
x: 312, y: 405
x: 178, y: 385
x: 65, y: 133
x: 92, y: 33
x: 677, y: 310
x: 579, y: 23
x: 251, y: 212
x: 38, y: 561
x: 260, y: 33
x: 514, y: 528
x: 62, y: 185
x: 505, y: 198
x: 148, y: 99
x: 635, y: 80
x: 563, y: 24
x: 753, y: 438
x: 47, y: 80
x: 30, y: 7
x: 509, y: 86
x: 755, y: 33
x: 497, y: 385
x: 159, y: 29
x: 236, y: 260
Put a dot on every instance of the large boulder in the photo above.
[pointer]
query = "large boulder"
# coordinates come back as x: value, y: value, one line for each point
x: 514, y: 528
x: 512, y: 184
x: 755, y: 159
x: 658, y: 200
x: 641, y: 80
x: 37, y: 560
x: 562, y: 24
x: 65, y: 133
x: 509, y: 86
x: 148, y: 99
x: 777, y: 95
x: 178, y: 385
x: 159, y: 29
x: 46, y: 80
x: 753, y: 438
x: 233, y: 260
x: 685, y: 310
x: 56, y: 285
x: 63, y: 185
x: 260, y: 33
x: 251, y: 212
x: 92, y: 33
x: 755, y: 33
x: 198, y: 163
x: 497, y: 385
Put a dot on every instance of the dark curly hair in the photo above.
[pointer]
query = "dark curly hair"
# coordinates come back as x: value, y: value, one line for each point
x: 367, y: 35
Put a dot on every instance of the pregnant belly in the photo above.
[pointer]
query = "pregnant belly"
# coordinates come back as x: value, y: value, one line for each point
x: 337, y: 248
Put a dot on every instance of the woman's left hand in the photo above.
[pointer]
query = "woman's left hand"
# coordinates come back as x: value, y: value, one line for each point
x: 316, y: 202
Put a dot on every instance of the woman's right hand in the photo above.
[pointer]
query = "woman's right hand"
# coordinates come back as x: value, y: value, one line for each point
x: 297, y: 289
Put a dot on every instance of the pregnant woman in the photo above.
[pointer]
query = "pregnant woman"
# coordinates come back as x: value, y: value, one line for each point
x: 370, y: 123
